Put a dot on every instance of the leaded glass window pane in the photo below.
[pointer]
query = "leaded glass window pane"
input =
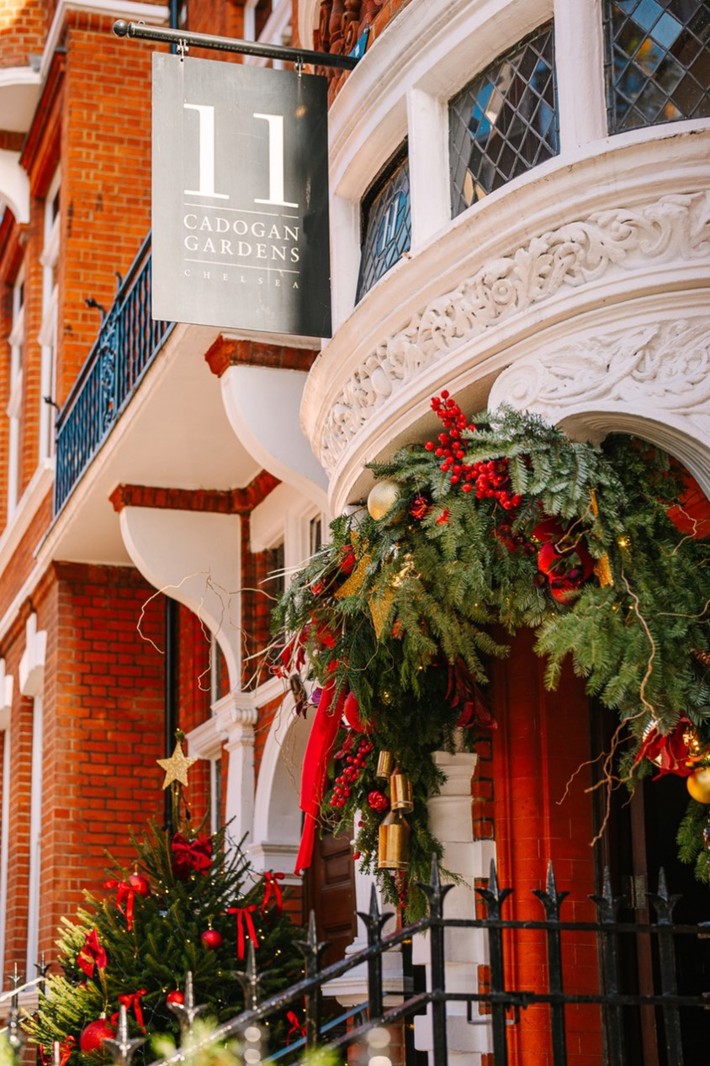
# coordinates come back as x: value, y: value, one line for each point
x: 386, y: 223
x: 504, y: 122
x: 658, y: 61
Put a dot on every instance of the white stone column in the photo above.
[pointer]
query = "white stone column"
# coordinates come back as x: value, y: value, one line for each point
x: 450, y: 820
x: 6, y: 686
x: 31, y: 678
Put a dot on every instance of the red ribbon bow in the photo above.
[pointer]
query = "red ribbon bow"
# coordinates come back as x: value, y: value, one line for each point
x: 297, y: 1028
x: 65, y: 1049
x: 272, y: 888
x: 191, y: 856
x: 131, y: 1001
x: 244, y: 918
x: 125, y: 894
x: 668, y: 751
x: 92, y: 954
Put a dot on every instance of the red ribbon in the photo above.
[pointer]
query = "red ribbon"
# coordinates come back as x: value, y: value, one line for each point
x: 315, y: 767
x: 125, y: 894
x: 272, y: 888
x: 297, y: 1028
x: 191, y: 856
x: 668, y: 751
x: 65, y: 1050
x: 92, y: 954
x: 131, y: 1001
x: 244, y: 918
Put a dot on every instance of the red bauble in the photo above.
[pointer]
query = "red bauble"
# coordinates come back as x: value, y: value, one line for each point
x: 94, y: 1034
x: 139, y: 884
x: 211, y: 939
x: 176, y: 996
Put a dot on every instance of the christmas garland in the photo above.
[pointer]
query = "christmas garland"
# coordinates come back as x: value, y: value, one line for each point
x: 501, y: 521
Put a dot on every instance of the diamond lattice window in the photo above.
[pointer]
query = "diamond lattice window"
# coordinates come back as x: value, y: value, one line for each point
x: 386, y: 223
x: 658, y: 61
x: 504, y: 122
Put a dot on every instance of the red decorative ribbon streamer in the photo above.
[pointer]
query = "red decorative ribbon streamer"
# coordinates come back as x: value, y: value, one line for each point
x: 92, y: 954
x: 131, y: 1001
x: 315, y: 767
x: 244, y: 918
x: 272, y: 888
x: 125, y: 895
x: 297, y: 1028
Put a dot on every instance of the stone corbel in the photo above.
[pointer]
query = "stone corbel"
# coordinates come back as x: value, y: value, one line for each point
x: 263, y: 407
x: 194, y: 557
x: 6, y: 685
x: 31, y: 674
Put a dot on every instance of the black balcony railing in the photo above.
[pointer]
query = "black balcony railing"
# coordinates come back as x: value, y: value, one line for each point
x: 127, y: 343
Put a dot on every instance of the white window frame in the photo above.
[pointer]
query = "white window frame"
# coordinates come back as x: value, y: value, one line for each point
x: 48, y: 333
x: 14, y: 406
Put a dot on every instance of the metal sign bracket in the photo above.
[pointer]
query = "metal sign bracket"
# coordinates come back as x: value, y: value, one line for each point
x: 183, y: 39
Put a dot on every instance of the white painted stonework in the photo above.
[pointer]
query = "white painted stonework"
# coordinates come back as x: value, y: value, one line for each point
x: 450, y: 820
x: 6, y: 686
x: 31, y: 674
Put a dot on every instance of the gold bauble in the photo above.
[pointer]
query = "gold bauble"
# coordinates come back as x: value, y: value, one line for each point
x: 699, y: 784
x: 382, y: 498
x: 393, y: 842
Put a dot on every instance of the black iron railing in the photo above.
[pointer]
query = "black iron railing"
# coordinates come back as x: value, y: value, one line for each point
x: 127, y: 343
x: 505, y: 1004
x: 501, y: 1008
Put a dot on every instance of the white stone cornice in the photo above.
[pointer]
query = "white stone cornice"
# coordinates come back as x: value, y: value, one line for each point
x: 31, y: 673
x: 561, y: 244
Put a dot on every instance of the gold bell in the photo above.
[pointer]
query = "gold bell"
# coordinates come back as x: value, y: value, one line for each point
x: 385, y: 764
x: 401, y: 792
x: 393, y: 842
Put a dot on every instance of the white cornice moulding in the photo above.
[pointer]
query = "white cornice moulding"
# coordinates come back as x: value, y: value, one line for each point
x: 119, y: 9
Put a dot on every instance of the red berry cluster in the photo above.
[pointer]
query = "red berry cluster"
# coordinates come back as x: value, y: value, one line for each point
x: 489, y: 480
x: 354, y: 765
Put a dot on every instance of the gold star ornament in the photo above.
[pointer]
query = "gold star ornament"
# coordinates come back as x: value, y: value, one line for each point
x: 176, y: 766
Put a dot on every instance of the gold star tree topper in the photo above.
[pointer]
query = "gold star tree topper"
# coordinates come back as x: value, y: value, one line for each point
x: 176, y: 766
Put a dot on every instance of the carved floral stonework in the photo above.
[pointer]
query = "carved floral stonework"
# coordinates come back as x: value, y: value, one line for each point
x: 665, y: 365
x: 672, y: 228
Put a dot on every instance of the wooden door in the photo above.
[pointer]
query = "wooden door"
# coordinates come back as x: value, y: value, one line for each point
x: 330, y: 893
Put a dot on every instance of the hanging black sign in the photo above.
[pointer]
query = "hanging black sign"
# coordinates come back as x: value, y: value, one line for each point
x: 240, y: 197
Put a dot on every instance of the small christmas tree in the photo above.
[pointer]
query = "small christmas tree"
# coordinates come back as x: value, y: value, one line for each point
x: 190, y: 904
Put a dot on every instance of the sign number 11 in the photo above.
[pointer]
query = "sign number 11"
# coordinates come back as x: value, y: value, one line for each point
x: 206, y: 172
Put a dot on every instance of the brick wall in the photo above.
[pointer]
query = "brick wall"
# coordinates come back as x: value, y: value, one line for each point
x: 106, y: 186
x: 23, y: 24
x: 104, y: 714
x: 194, y: 702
